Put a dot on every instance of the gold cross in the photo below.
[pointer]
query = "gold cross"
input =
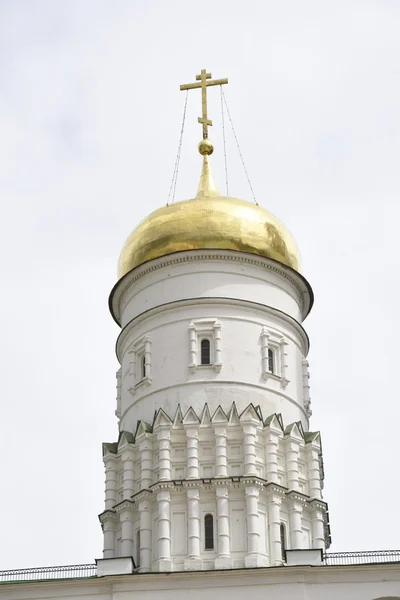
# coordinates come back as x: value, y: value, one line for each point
x: 203, y: 84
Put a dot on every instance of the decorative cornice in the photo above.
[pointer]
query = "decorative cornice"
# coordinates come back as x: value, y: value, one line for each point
x: 275, y: 488
x: 301, y: 285
x: 247, y: 480
x: 317, y: 504
x: 162, y: 485
x: 142, y: 495
x: 107, y: 515
x: 125, y: 504
x: 298, y: 497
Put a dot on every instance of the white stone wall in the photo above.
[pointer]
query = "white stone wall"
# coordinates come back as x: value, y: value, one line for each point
x: 240, y: 335
x: 229, y: 439
x: 369, y: 582
x: 250, y: 473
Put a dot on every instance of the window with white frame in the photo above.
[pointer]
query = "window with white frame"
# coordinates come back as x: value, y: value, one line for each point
x: 139, y: 355
x: 205, y: 344
x: 274, y: 356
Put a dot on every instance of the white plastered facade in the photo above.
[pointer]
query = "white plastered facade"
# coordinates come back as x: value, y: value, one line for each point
x: 225, y: 443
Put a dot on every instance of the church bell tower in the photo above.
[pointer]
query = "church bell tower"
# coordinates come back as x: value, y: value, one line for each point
x: 215, y: 466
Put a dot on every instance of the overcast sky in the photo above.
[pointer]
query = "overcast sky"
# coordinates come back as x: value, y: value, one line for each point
x: 90, y: 115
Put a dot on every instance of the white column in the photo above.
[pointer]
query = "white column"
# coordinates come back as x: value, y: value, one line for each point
x: 145, y: 534
x: 221, y: 463
x: 295, y: 523
x: 264, y: 352
x: 192, y: 435
x: 128, y: 473
x: 223, y: 560
x: 111, y: 482
x: 146, y: 463
x: 193, y: 498
x: 164, y: 530
x: 292, y: 464
x: 108, y: 524
x: 271, y: 456
x: 253, y: 558
x: 217, y: 346
x: 314, y: 477
x: 318, y: 525
x: 274, y: 502
x: 126, y: 531
x: 249, y: 447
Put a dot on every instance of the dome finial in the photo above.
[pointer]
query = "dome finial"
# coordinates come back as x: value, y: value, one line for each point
x: 207, y: 187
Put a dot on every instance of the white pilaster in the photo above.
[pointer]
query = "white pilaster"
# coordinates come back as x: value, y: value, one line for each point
x: 108, y: 522
x: 192, y: 347
x: 126, y: 519
x: 193, y: 562
x: 274, y: 501
x: 306, y: 387
x: 128, y: 472
x: 144, y: 503
x: 217, y: 346
x: 296, y: 506
x: 224, y: 559
x: 164, y: 530
x: 164, y: 454
x: 283, y: 359
x: 318, y: 524
x: 192, y: 448
x: 314, y: 478
x: 272, y: 438
x: 264, y: 352
x: 221, y: 463
x: 292, y: 463
x: 146, y: 462
x: 249, y: 448
x: 110, y: 463
x: 147, y: 357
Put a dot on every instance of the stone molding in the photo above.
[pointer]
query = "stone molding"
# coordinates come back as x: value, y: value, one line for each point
x: 295, y: 279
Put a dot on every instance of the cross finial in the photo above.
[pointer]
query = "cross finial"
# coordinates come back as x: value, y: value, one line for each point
x: 205, y: 147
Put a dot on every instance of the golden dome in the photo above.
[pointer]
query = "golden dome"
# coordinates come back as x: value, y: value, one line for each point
x: 209, y: 221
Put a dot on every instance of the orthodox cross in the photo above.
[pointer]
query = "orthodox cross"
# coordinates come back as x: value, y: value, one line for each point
x: 204, y: 82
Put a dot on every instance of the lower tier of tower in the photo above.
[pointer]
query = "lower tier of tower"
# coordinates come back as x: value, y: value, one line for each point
x: 195, y: 492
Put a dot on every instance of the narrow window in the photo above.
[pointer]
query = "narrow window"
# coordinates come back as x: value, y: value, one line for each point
x: 143, y: 362
x: 205, y: 352
x: 270, y: 360
x: 138, y: 548
x: 283, y: 542
x: 209, y: 532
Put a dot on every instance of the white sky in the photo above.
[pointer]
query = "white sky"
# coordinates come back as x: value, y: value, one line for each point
x: 90, y: 114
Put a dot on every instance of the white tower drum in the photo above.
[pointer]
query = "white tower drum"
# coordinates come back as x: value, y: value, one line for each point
x: 215, y: 466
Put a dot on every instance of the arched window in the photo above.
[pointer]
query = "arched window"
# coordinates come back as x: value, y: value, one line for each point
x: 270, y: 360
x: 138, y: 548
x: 143, y: 363
x: 283, y: 542
x: 209, y: 532
x: 205, y: 352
